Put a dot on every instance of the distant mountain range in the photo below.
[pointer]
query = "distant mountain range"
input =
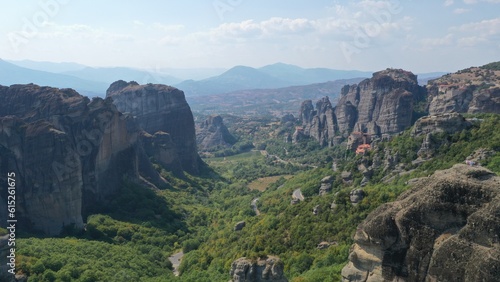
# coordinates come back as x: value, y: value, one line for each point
x: 94, y: 81
x: 262, y: 102
x: 13, y: 74
x: 268, y: 77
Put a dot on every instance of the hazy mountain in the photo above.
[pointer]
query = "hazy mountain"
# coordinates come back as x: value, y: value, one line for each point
x: 13, y: 74
x: 110, y: 75
x: 300, y: 75
x: 237, y: 78
x: 276, y: 102
x: 192, y: 73
x: 48, y: 66
x: 267, y: 77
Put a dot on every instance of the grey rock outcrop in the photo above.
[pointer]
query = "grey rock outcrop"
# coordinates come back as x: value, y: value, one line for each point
x: 69, y: 153
x: 319, y: 123
x: 316, y: 209
x: 246, y: 270
x: 448, y: 122
x: 356, y: 196
x: 160, y: 108
x: 346, y: 177
x: 326, y: 185
x: 473, y: 90
x: 445, y: 228
x: 213, y: 134
x: 430, y: 125
x: 239, y: 226
x: 380, y: 105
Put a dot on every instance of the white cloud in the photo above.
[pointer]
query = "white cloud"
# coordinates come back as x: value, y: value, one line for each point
x: 168, y: 28
x: 448, y: 3
x: 460, y: 11
x: 470, y: 2
x: 471, y: 41
x: 428, y: 43
x: 79, y: 31
x: 484, y: 28
x: 477, y: 33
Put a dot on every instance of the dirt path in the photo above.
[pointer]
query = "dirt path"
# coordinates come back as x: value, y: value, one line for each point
x: 176, y: 259
x: 254, y: 206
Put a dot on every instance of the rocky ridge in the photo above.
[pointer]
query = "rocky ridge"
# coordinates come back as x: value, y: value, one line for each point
x: 445, y: 228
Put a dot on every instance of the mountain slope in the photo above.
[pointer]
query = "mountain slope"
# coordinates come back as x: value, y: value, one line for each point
x: 309, y: 76
x: 267, y: 101
x: 12, y: 74
x: 110, y: 75
x: 237, y: 78
x: 48, y: 66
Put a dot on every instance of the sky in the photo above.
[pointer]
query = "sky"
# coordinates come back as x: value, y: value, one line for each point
x: 369, y: 35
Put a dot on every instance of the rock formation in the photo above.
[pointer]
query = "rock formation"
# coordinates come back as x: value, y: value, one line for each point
x: 239, y: 226
x: 472, y: 90
x: 382, y: 105
x: 326, y: 185
x: 445, y: 228
x: 318, y: 123
x: 70, y: 154
x: 160, y: 108
x: 356, y: 196
x: 213, y: 134
x: 246, y: 270
x: 448, y: 122
x: 430, y: 125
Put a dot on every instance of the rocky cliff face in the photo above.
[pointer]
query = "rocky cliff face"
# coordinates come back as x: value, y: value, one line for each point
x: 381, y: 105
x: 446, y: 228
x: 212, y: 134
x: 70, y: 154
x: 246, y: 270
x: 473, y: 90
x: 160, y: 108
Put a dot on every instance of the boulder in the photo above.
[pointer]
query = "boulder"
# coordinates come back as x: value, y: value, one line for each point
x: 316, y: 209
x: 356, y: 196
x: 261, y: 270
x: 445, y: 228
x: 346, y: 177
x: 239, y: 226
x: 326, y: 185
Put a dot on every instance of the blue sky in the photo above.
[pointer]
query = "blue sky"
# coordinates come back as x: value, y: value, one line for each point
x: 420, y: 36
